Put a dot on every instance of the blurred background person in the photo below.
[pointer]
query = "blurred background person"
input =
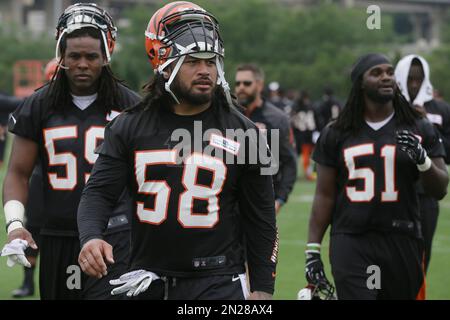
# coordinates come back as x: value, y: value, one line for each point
x: 249, y: 85
x: 303, y: 120
x: 413, y: 78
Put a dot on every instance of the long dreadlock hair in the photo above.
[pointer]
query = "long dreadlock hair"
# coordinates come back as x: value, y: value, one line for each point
x: 108, y: 95
x: 351, y: 118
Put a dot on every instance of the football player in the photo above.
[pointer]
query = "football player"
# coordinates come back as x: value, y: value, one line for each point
x: 61, y: 124
x: 192, y: 206
x: 369, y: 160
x: 33, y: 211
x: 413, y: 77
x: 249, y: 85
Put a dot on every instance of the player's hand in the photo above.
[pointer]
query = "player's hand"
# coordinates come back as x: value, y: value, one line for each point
x: 410, y: 144
x: 15, y: 252
x: 277, y: 207
x: 259, y: 295
x: 133, y: 283
x: 314, y: 272
x: 93, y: 255
x: 24, y: 234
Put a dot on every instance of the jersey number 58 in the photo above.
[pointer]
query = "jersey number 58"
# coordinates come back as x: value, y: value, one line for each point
x: 161, y: 190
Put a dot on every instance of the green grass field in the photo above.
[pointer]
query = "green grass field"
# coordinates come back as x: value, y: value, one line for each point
x: 292, y: 224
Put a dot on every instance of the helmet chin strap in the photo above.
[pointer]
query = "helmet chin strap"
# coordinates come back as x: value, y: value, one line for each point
x: 221, y: 80
x: 172, y: 77
x: 57, y: 56
x: 105, y: 45
x: 220, y: 73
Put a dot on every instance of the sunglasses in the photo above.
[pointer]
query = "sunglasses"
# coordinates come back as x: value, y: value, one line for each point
x: 245, y: 83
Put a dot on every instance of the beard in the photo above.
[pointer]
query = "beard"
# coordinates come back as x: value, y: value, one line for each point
x: 376, y: 96
x: 248, y: 100
x: 183, y: 93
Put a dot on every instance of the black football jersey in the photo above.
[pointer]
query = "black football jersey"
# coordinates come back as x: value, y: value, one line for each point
x: 192, y: 205
x: 66, y: 149
x: 438, y: 112
x: 375, y: 179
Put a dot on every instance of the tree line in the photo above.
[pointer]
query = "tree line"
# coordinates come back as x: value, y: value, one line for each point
x: 301, y: 48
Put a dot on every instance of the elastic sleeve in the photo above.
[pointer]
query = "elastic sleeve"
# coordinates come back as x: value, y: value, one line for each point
x: 256, y: 203
x: 105, y: 185
x: 257, y: 208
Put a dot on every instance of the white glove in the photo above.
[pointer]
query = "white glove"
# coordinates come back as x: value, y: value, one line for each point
x: 304, y: 294
x: 15, y: 253
x: 133, y: 283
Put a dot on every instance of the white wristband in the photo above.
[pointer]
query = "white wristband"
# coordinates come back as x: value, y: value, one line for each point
x: 14, y: 210
x: 425, y: 166
x: 312, y: 247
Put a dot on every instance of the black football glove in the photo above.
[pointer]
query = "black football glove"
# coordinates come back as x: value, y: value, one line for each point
x: 314, y: 271
x: 410, y: 144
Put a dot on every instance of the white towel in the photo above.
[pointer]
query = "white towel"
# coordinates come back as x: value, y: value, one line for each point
x: 401, y: 74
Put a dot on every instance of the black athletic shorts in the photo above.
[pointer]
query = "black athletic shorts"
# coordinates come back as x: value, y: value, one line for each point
x: 219, y: 287
x: 95, y: 289
x: 62, y: 278
x: 357, y: 261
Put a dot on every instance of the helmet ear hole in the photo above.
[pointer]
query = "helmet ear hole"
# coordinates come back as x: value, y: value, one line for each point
x: 152, y: 54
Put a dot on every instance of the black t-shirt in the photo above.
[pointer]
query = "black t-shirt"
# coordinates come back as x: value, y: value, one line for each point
x: 375, y: 180
x: 66, y: 149
x: 190, y: 216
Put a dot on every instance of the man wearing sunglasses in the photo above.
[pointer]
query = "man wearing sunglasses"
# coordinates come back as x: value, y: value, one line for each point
x: 249, y: 86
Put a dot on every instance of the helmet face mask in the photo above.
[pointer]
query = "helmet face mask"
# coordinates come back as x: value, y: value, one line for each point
x: 179, y: 29
x: 322, y: 291
x: 83, y: 15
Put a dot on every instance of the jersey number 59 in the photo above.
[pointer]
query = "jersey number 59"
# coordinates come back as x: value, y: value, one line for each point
x: 68, y: 159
